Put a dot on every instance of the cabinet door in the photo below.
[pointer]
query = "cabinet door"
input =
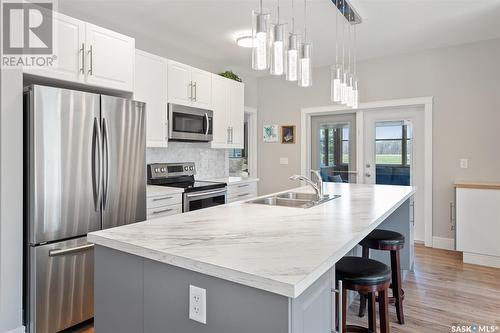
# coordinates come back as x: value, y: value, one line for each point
x: 220, y: 104
x: 180, y: 90
x: 202, y: 90
x: 68, y: 48
x: 150, y: 86
x: 237, y: 113
x: 109, y: 59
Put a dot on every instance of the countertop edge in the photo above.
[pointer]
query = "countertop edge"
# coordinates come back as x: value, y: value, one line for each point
x: 229, y: 183
x: 478, y: 185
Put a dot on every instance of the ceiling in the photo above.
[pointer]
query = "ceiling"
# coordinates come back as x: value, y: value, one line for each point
x: 207, y: 28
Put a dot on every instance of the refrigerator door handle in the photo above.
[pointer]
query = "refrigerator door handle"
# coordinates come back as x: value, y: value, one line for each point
x: 61, y: 252
x: 105, y: 162
x: 96, y: 164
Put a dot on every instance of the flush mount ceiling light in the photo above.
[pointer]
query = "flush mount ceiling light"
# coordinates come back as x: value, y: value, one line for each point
x: 245, y: 41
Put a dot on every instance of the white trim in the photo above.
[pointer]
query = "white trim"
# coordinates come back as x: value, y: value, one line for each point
x: 20, y: 329
x: 481, y: 259
x: 443, y: 243
x: 426, y: 102
x: 252, y: 140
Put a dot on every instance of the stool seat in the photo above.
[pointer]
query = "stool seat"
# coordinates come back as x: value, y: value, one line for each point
x: 381, y: 239
x: 357, y: 270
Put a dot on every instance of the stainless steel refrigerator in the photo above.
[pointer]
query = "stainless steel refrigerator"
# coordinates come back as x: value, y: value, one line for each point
x: 84, y: 171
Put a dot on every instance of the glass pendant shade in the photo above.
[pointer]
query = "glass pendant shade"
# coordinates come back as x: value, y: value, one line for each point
x: 260, y: 36
x: 355, y: 94
x: 278, y: 48
x: 305, y: 65
x: 349, y: 98
x: 343, y: 88
x: 292, y: 58
x: 336, y: 83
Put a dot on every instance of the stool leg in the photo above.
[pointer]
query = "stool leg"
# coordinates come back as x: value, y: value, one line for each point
x: 344, y: 309
x: 362, y: 298
x: 372, y: 312
x: 396, y: 285
x: 383, y: 311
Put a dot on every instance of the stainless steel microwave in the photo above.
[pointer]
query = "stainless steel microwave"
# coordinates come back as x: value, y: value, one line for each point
x: 187, y: 123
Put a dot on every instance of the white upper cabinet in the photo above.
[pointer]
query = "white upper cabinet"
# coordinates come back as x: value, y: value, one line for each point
x: 69, y: 47
x: 229, y: 112
x: 237, y: 113
x: 189, y: 86
x: 180, y: 88
x: 202, y: 88
x: 90, y: 54
x: 220, y: 103
x: 110, y: 58
x: 150, y: 86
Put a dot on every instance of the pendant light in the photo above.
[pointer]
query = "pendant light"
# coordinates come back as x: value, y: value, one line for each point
x: 292, y: 53
x: 278, y: 45
x: 336, y: 70
x: 350, y: 78
x: 260, y: 37
x: 355, y: 88
x: 305, y: 61
x: 343, y: 81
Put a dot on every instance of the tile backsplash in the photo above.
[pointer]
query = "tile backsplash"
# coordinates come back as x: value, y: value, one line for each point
x: 210, y: 163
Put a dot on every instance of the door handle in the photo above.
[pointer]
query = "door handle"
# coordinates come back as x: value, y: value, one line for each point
x: 82, y: 49
x: 206, y: 121
x: 340, y: 294
x: 60, y: 252
x: 96, y: 179
x: 91, y: 69
x: 105, y: 162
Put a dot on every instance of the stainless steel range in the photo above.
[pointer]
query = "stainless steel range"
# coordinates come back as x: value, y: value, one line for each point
x: 197, y: 194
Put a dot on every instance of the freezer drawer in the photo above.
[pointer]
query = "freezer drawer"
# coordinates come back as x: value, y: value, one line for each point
x: 62, y: 285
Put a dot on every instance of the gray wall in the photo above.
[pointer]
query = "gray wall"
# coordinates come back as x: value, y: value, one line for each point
x: 465, y: 83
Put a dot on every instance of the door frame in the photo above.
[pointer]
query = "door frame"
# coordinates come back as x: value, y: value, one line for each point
x: 427, y: 105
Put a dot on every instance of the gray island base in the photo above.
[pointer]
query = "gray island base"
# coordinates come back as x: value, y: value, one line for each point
x: 143, y: 289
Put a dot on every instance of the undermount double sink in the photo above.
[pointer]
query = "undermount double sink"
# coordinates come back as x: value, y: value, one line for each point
x: 294, y: 199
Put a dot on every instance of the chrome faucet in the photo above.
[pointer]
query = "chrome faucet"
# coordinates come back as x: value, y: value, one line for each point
x: 316, y: 184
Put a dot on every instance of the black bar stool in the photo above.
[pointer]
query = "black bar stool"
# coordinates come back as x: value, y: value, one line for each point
x: 366, y: 276
x: 392, y: 241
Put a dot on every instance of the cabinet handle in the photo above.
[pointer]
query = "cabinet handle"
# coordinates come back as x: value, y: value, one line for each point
x: 339, y: 308
x: 232, y: 135
x: 161, y: 199
x: 228, y: 135
x: 191, y: 90
x: 91, y: 68
x: 243, y: 195
x: 195, y: 91
x: 82, y: 49
x: 162, y: 211
x: 240, y: 186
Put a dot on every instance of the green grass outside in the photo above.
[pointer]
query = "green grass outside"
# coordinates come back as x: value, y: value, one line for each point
x: 388, y: 159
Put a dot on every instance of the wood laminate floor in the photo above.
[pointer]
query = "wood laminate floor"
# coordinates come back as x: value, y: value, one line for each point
x: 441, y: 292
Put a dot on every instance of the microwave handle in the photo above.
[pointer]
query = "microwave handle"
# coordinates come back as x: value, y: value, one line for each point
x: 207, y: 123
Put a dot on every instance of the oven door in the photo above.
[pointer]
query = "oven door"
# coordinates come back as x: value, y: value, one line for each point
x: 199, y: 200
x: 189, y: 124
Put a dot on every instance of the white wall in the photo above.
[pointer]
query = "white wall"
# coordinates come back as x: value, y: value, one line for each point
x: 465, y: 83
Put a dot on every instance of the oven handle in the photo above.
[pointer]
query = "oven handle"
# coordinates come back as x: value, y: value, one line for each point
x: 207, y: 123
x: 205, y: 193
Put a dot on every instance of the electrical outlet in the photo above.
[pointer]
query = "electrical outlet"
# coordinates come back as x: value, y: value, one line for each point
x: 464, y: 163
x: 197, y: 304
x: 283, y: 160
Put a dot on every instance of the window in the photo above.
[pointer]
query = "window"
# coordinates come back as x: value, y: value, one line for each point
x: 393, y: 144
x: 334, y: 145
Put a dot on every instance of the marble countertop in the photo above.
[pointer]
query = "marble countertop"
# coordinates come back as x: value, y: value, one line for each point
x: 278, y: 249
x: 154, y: 190
x: 234, y: 180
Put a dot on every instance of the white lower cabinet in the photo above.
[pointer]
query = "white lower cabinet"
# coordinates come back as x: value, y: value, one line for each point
x: 159, y: 205
x: 229, y: 112
x: 150, y: 86
x: 237, y: 192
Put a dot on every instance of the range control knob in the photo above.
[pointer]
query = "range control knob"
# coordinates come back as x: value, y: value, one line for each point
x: 191, y: 168
x: 157, y: 170
x: 163, y: 170
x: 186, y: 168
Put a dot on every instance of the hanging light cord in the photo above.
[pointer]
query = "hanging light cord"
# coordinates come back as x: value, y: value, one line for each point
x: 305, y: 20
x: 293, y: 19
x: 349, y: 34
x: 278, y: 11
x: 343, y: 36
x: 336, y: 36
x: 355, y: 51
x: 261, y: 6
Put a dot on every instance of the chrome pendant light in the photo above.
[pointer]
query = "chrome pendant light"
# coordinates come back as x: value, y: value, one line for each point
x: 336, y: 70
x: 260, y: 37
x: 355, y: 88
x: 278, y: 46
x: 292, y: 53
x: 343, y: 81
x: 305, y: 61
x: 350, y: 77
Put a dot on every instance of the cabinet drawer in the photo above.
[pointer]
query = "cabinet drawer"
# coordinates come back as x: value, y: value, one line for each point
x: 241, y: 196
x: 240, y: 188
x: 164, y: 211
x: 164, y: 200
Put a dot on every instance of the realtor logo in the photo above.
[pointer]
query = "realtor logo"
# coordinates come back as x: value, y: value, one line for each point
x: 27, y: 28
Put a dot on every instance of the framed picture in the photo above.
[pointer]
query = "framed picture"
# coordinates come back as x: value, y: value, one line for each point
x: 270, y: 133
x: 288, y: 134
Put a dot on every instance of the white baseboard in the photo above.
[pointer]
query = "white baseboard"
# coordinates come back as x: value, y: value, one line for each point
x: 20, y: 329
x: 481, y: 259
x: 443, y: 243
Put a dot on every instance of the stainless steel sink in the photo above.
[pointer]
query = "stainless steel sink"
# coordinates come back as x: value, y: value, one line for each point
x: 293, y: 199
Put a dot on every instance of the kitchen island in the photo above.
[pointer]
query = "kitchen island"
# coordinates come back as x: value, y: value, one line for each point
x: 264, y: 268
